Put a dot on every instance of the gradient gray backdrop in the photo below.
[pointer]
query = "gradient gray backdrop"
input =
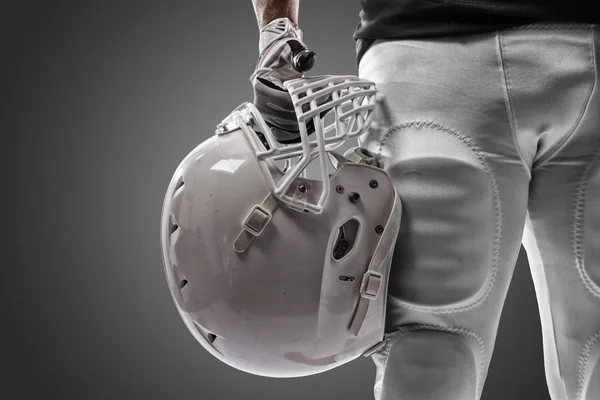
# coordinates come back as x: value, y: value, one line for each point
x: 100, y: 102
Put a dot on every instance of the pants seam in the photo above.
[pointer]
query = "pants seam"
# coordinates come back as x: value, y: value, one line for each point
x: 551, y: 26
x: 508, y: 102
x: 583, y: 363
x: 592, y: 54
x: 487, y: 5
x: 482, y: 362
x: 577, y: 233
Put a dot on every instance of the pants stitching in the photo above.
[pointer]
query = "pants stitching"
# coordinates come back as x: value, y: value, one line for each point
x: 490, y: 6
x: 497, y: 208
x: 550, y: 26
x: 404, y: 331
x: 577, y: 234
x: 583, y: 363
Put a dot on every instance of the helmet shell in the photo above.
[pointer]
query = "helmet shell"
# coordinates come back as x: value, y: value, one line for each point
x: 282, y: 307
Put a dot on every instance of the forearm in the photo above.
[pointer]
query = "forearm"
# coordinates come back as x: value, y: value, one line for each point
x: 268, y: 10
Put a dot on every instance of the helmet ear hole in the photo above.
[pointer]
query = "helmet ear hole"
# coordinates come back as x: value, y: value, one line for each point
x: 345, y: 239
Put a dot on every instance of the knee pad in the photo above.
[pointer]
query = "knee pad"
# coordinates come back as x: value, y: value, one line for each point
x: 431, y: 362
x: 447, y: 250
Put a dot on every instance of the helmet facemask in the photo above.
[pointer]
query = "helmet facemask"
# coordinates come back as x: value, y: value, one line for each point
x: 331, y: 110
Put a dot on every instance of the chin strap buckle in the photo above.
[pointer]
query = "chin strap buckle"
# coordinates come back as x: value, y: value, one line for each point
x: 361, y: 155
x: 255, y: 223
x: 370, y: 285
x: 373, y: 283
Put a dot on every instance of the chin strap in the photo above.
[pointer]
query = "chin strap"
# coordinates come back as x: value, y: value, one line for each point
x: 255, y: 223
x: 360, y: 155
x: 356, y: 155
x: 261, y: 214
x: 372, y: 280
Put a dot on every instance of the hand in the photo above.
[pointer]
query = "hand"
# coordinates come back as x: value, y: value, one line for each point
x: 283, y: 56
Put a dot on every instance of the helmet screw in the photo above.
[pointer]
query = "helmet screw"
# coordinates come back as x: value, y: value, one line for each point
x: 354, y: 197
x: 379, y: 229
x: 302, y: 188
x: 339, y: 189
x: 373, y: 184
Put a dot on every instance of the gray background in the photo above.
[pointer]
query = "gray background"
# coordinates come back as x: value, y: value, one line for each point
x: 100, y: 101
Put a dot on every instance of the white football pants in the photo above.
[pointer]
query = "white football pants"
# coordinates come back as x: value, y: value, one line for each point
x: 491, y: 139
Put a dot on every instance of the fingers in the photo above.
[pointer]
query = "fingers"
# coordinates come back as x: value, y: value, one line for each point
x: 283, y: 57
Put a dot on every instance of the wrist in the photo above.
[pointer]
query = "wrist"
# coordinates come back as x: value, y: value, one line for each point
x: 277, y: 29
x: 269, y: 10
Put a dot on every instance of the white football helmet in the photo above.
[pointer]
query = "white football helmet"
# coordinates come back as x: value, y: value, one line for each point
x: 274, y: 273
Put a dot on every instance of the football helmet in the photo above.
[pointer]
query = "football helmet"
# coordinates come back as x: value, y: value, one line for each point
x: 275, y: 273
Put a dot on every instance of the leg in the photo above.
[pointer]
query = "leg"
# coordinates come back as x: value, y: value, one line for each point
x: 445, y: 137
x: 562, y: 238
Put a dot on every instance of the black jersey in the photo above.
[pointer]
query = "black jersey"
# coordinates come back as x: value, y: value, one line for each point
x: 402, y: 19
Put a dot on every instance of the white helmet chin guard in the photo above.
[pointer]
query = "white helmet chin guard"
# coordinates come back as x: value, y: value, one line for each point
x: 272, y: 272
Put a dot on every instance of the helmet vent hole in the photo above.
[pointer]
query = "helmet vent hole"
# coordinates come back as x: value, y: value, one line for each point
x: 179, y: 184
x: 174, y: 227
x: 210, y: 337
x: 346, y: 237
x: 183, y: 283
